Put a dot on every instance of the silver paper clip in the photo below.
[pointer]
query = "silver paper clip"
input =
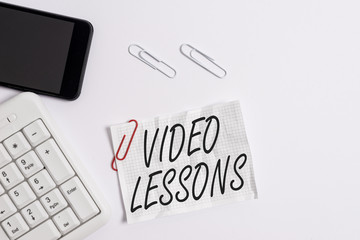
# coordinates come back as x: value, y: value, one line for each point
x: 209, y: 64
x: 144, y: 56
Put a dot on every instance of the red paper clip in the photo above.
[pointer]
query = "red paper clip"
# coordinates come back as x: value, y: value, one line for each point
x: 117, y: 153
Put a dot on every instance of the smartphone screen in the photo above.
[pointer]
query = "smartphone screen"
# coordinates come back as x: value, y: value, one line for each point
x: 35, y: 51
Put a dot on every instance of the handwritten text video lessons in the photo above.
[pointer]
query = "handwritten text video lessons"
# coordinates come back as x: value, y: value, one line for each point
x: 214, y: 178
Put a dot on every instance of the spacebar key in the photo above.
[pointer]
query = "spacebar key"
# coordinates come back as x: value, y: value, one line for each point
x: 46, y: 231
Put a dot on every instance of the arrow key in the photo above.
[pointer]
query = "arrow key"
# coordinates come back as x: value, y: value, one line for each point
x: 6, y: 207
x: 10, y: 176
x: 41, y: 182
x: 34, y: 214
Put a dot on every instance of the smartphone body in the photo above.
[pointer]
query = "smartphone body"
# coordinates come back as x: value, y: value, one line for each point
x: 43, y: 52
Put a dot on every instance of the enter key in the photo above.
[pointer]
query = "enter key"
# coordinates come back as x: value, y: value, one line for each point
x: 76, y: 194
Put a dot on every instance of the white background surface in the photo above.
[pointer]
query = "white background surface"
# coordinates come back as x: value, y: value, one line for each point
x: 294, y: 66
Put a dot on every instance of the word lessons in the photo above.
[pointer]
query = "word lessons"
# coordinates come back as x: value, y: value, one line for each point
x: 180, y: 163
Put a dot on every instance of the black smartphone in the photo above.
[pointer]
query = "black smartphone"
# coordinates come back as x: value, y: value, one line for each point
x: 43, y: 52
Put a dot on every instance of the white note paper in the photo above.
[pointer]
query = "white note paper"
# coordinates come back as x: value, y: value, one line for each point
x: 184, y: 162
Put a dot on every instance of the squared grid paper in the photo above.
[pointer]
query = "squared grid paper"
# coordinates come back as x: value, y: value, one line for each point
x: 231, y: 141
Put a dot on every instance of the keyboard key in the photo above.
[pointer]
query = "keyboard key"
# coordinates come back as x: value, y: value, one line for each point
x: 2, y: 190
x: 53, y: 201
x: 3, y: 235
x: 66, y: 221
x: 55, y: 161
x: 10, y: 175
x: 22, y: 195
x: 17, y: 145
x: 29, y: 164
x: 36, y: 132
x: 34, y: 214
x: 46, y: 231
x: 4, y: 156
x: 75, y: 192
x: 6, y: 207
x: 41, y: 182
x: 15, y: 226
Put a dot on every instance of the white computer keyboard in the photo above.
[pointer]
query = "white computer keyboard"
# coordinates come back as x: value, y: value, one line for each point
x: 44, y: 192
